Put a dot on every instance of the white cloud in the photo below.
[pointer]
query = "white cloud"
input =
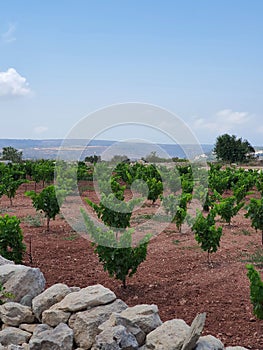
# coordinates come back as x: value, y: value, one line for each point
x: 8, y: 37
x: 225, y: 120
x: 12, y: 84
x: 40, y: 129
x: 231, y: 117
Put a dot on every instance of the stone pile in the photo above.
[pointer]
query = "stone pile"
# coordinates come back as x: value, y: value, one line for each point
x: 67, y: 318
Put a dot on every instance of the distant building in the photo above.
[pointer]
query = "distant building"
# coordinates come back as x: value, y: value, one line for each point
x: 5, y: 161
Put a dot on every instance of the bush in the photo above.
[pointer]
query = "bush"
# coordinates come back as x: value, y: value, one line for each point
x: 206, y: 233
x: 118, y: 257
x: 11, y: 238
x: 46, y: 201
x: 256, y: 291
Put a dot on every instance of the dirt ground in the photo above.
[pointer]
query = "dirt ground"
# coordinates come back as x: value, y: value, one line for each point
x: 175, y: 275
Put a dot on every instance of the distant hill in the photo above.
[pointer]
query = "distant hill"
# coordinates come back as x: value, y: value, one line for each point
x: 79, y: 149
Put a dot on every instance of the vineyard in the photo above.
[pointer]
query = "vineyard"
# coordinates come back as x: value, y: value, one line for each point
x: 214, y: 228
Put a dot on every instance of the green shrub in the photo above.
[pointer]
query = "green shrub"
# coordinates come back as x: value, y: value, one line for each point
x: 255, y: 213
x: 11, y: 239
x: 118, y: 257
x: 4, y: 295
x: 46, y: 201
x: 256, y: 291
x: 206, y: 233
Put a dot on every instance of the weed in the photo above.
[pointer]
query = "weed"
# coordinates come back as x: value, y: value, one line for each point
x: 72, y: 237
x: 191, y: 247
x: 255, y: 258
x: 34, y: 221
x: 243, y: 232
x: 4, y: 295
x: 176, y: 241
x: 6, y: 210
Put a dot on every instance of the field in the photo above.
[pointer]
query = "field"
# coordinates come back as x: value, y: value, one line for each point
x: 175, y: 275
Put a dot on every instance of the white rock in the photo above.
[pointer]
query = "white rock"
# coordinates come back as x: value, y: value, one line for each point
x: 117, y: 320
x: 18, y: 347
x: 54, y: 317
x: 86, y: 298
x: 116, y: 338
x: 145, y: 316
x: 208, y: 342
x: 85, y: 324
x: 169, y: 336
x: 28, y: 327
x: 22, y: 280
x: 195, y: 331
x: 235, y: 348
x: 12, y: 335
x: 4, y: 261
x: 47, y: 338
x: 49, y: 297
x: 14, y: 314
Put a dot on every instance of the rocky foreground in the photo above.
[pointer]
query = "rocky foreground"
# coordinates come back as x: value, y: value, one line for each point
x: 67, y: 318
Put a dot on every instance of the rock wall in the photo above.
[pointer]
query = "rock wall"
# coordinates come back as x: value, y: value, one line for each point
x: 67, y: 318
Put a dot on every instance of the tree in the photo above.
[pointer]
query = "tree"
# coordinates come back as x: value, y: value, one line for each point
x: 46, y: 201
x: 230, y: 149
x: 43, y: 170
x: 120, y: 158
x: 10, y: 153
x: 10, y: 181
x: 93, y: 159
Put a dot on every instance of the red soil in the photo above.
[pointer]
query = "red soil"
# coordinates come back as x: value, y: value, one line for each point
x: 175, y: 275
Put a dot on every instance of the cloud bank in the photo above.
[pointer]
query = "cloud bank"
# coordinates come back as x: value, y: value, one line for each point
x: 223, y: 121
x: 12, y: 84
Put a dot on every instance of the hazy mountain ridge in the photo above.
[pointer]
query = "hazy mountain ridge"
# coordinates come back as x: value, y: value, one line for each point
x: 70, y: 149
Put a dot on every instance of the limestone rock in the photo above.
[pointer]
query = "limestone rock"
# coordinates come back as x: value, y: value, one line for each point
x: 85, y: 324
x: 28, y: 327
x: 209, y: 342
x: 169, y: 336
x: 22, y: 280
x: 145, y: 316
x: 116, y: 338
x: 18, y: 347
x: 86, y: 298
x: 49, y: 297
x: 27, y: 300
x: 117, y: 320
x: 235, y: 348
x: 4, y: 261
x: 14, y: 314
x: 74, y: 289
x: 12, y: 335
x: 47, y: 338
x: 195, y: 331
x: 54, y: 317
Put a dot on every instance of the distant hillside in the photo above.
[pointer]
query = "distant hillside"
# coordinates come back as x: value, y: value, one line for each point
x: 79, y: 149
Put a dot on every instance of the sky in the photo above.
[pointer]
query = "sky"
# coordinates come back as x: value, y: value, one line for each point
x: 202, y: 60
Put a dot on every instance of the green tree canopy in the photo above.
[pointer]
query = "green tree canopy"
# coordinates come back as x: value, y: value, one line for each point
x: 10, y: 153
x: 232, y: 149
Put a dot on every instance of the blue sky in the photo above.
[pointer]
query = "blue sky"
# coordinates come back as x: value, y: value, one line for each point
x: 62, y: 60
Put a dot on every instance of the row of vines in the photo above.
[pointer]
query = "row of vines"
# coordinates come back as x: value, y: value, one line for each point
x: 222, y: 193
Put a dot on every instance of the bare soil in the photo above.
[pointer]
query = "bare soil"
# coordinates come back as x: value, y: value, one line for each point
x: 175, y: 275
